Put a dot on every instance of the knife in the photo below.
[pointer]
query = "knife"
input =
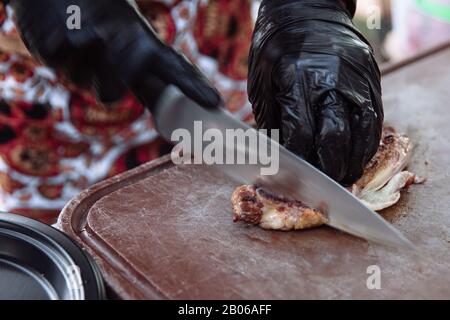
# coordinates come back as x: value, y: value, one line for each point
x: 296, y: 178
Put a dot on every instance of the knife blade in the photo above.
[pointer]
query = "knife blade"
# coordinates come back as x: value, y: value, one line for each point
x: 296, y: 178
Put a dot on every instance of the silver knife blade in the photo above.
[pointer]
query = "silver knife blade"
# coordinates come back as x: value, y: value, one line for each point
x: 296, y: 178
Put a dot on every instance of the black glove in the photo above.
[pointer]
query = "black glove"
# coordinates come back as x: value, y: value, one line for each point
x: 114, y: 51
x: 313, y: 76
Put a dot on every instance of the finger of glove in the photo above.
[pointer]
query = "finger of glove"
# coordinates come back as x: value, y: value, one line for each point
x: 366, y: 134
x: 297, y: 119
x: 260, y: 93
x: 149, y: 90
x: 173, y: 68
x: 107, y: 85
x: 333, y: 141
x: 41, y: 36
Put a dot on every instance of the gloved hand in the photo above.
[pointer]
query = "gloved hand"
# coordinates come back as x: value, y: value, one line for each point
x: 313, y: 76
x: 115, y: 49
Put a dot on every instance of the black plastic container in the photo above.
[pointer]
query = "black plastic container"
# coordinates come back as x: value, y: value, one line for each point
x: 38, y: 262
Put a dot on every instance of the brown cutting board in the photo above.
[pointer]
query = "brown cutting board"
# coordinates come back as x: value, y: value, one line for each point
x: 165, y: 232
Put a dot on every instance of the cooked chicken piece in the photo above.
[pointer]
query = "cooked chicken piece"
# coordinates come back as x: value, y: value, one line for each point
x: 253, y: 205
x: 378, y: 189
x: 383, y: 179
x: 389, y: 194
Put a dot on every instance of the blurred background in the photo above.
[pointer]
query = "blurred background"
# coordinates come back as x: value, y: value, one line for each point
x: 398, y: 29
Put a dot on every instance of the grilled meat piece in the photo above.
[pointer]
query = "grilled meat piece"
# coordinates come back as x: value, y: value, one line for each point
x: 383, y: 178
x: 255, y: 206
x: 378, y: 189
